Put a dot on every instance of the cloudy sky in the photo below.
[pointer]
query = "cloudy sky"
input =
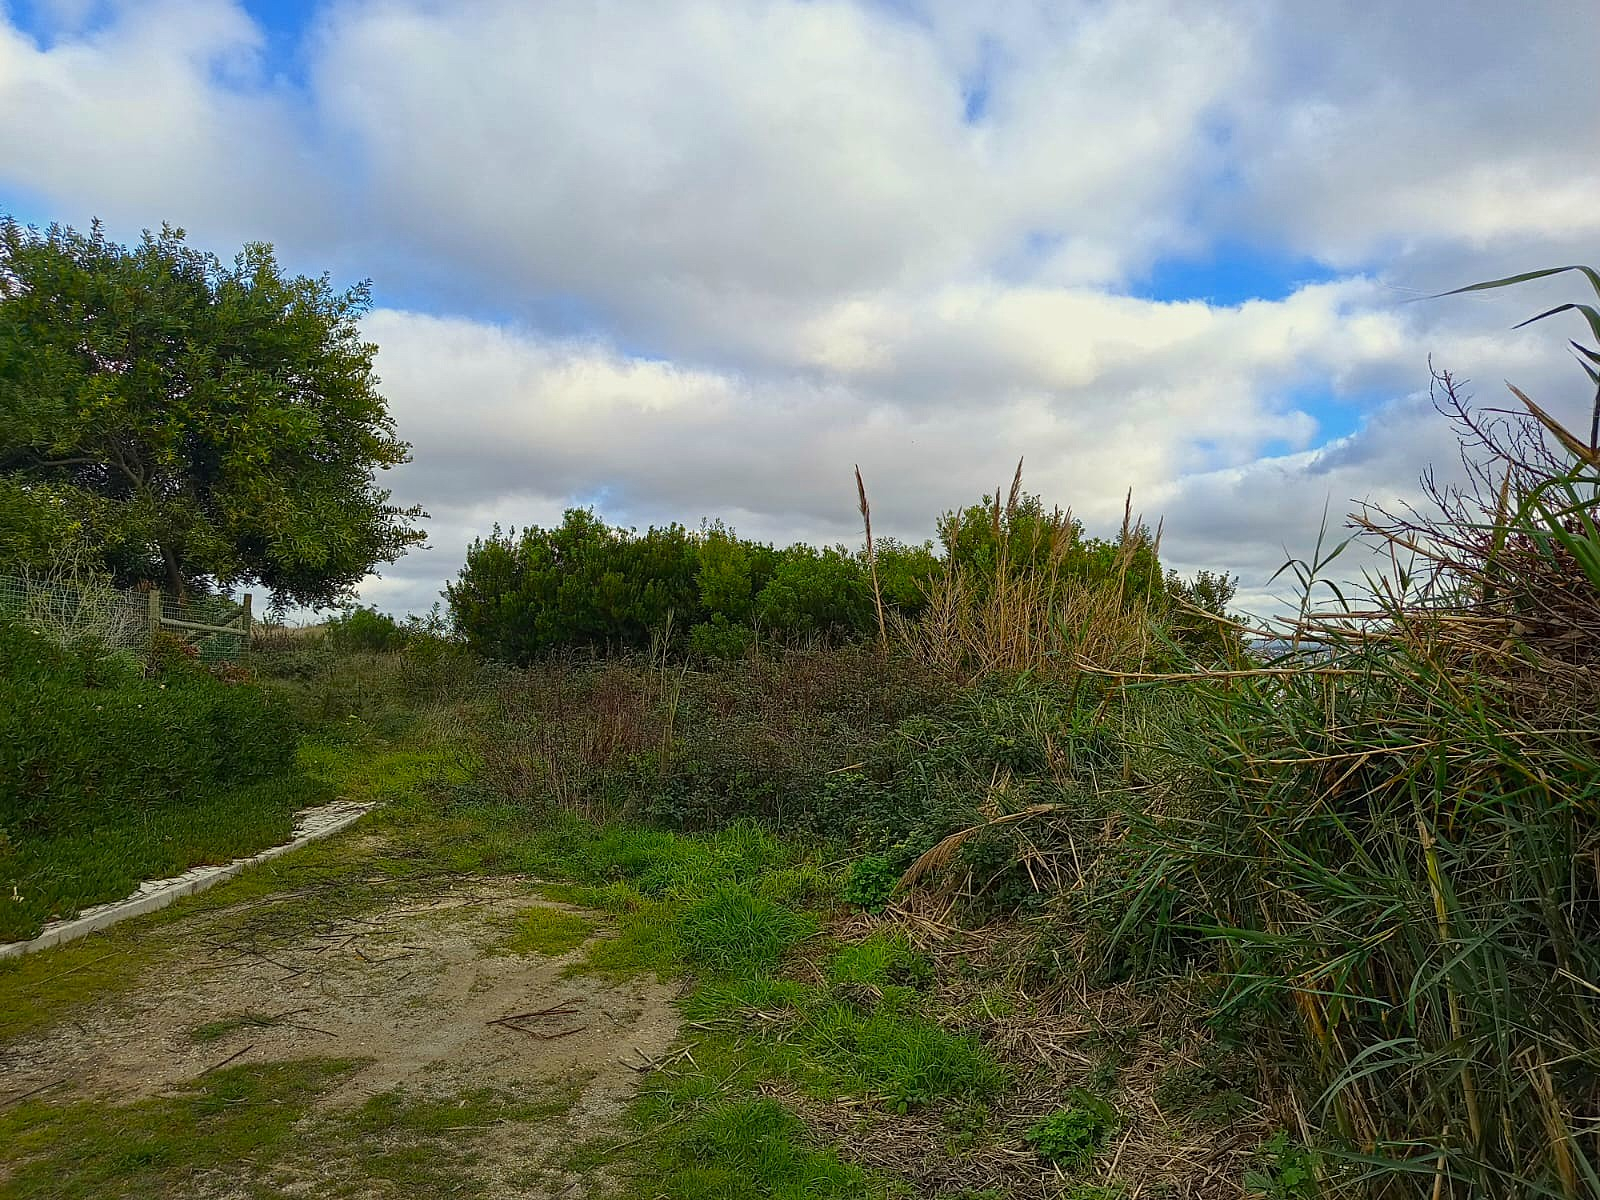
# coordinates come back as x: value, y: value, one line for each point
x: 696, y: 259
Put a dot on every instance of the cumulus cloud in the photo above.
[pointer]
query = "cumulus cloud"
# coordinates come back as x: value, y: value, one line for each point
x: 697, y: 258
x: 160, y: 113
x: 1180, y: 406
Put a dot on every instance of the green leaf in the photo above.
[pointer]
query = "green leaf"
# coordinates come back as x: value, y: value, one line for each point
x: 1589, y: 273
x: 1590, y: 313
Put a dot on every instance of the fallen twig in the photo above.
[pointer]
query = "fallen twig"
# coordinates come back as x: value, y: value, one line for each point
x: 43, y: 1087
x: 229, y: 1059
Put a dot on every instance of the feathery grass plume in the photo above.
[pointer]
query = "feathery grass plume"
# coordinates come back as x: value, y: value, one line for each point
x: 872, y: 557
x: 1022, y: 590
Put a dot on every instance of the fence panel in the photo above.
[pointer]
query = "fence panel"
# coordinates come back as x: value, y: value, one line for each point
x: 71, y: 609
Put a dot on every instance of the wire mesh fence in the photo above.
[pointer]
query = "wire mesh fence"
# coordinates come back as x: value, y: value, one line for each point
x: 217, y: 626
x: 73, y: 608
x: 75, y: 611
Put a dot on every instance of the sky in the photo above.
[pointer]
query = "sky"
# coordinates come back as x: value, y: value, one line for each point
x: 699, y: 259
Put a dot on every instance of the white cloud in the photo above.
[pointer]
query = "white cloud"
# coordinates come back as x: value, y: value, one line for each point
x: 160, y: 114
x: 1179, y: 403
x: 791, y: 247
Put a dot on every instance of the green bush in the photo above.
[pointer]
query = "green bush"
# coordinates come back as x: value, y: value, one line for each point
x: 588, y: 586
x: 719, y: 639
x: 92, y: 748
x: 367, y: 629
x: 871, y: 882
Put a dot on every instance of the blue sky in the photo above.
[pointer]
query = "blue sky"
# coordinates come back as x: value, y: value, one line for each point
x: 698, y: 258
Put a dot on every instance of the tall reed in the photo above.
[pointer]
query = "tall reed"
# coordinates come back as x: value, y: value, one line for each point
x: 1391, y: 834
x: 1031, y: 606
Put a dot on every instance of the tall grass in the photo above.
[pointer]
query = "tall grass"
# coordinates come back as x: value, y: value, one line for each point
x: 1394, y: 840
x: 1022, y: 612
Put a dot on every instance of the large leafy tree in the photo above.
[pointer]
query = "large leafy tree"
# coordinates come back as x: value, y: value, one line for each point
x: 197, y: 422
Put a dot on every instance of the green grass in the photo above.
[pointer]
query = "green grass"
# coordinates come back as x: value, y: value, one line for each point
x: 732, y: 931
x: 880, y: 960
x: 721, y: 903
x: 545, y: 929
x: 39, y: 989
x: 752, y: 1148
x: 705, y: 1134
x: 847, y: 1042
x: 56, y: 875
x: 260, y: 1128
x: 241, y: 1120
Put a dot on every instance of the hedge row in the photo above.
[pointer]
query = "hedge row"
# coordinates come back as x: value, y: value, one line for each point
x: 90, y: 739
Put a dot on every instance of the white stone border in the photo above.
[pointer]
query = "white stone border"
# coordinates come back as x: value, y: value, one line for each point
x: 309, y: 825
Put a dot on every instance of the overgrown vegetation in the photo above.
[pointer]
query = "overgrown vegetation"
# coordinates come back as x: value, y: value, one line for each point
x: 591, y: 587
x: 1022, y: 869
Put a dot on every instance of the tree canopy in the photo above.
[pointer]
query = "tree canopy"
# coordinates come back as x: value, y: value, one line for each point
x: 193, y: 422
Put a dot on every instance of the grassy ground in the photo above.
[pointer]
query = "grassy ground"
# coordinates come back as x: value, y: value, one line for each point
x: 825, y: 1053
x: 106, y: 859
x: 258, y: 1125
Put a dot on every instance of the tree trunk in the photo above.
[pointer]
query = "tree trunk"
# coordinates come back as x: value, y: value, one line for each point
x: 174, y: 575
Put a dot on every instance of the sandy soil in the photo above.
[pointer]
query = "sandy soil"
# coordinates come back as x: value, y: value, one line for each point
x: 417, y: 988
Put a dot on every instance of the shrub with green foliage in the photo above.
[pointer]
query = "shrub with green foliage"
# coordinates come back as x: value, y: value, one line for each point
x: 95, y: 750
x: 585, y: 585
x: 367, y: 629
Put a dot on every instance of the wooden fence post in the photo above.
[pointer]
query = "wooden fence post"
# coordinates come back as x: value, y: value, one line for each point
x: 246, y: 618
x: 155, y: 616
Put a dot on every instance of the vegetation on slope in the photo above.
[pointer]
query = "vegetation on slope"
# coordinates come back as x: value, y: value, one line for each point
x: 111, y: 774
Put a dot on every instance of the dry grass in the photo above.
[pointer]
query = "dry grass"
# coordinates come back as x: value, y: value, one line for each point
x: 1122, y: 1041
x: 1025, y: 613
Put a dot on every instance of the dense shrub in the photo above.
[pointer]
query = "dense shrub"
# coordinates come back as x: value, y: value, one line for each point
x: 92, y: 744
x: 367, y: 629
x: 695, y: 748
x: 78, y: 749
x: 588, y: 586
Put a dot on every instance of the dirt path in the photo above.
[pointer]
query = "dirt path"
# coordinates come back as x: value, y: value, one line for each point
x: 422, y: 995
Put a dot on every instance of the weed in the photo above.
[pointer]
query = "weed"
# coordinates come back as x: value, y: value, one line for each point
x: 1283, y: 1170
x: 211, y: 1031
x: 1071, y: 1136
x: 1210, y: 1090
x: 871, y: 882
x: 544, y: 929
x: 752, y: 1148
x: 879, y: 1045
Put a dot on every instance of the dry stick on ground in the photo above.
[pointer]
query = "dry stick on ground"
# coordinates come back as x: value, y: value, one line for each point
x: 229, y: 1059
x: 562, y: 1008
x: 43, y: 1087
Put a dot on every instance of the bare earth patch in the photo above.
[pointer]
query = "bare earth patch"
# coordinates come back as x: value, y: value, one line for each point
x: 419, y: 991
